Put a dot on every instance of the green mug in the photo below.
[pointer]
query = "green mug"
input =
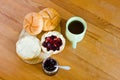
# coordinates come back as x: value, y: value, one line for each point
x: 74, y: 32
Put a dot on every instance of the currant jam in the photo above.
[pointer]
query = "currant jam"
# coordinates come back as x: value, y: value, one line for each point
x: 52, y: 43
x: 50, y: 66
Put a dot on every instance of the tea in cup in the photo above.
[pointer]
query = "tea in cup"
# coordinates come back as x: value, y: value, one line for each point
x: 75, y: 30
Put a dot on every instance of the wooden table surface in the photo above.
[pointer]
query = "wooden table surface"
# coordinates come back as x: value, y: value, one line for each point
x: 97, y: 56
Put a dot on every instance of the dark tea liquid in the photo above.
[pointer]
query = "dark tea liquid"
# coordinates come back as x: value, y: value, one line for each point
x: 76, y: 27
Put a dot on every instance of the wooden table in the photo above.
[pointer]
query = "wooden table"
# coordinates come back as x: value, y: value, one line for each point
x: 97, y: 56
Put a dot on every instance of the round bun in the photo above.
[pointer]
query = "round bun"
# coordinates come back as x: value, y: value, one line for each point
x: 53, y: 41
x: 33, y: 23
x: 51, y: 19
x: 29, y: 49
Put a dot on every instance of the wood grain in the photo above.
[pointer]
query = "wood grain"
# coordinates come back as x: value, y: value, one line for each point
x: 97, y: 57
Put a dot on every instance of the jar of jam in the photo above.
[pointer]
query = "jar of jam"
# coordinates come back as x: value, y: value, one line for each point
x: 50, y: 66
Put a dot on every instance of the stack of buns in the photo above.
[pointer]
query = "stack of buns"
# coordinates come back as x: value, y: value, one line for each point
x: 47, y: 19
x: 28, y: 47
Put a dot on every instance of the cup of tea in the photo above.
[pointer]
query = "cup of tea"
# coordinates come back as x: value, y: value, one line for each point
x: 75, y: 30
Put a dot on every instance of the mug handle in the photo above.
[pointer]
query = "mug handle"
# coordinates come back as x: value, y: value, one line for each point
x: 74, y: 44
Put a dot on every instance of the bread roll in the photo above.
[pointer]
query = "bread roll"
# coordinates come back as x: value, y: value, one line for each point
x: 28, y: 48
x: 51, y: 19
x: 33, y: 23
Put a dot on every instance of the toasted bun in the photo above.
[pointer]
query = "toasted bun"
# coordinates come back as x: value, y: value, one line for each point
x: 33, y: 23
x: 51, y: 19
